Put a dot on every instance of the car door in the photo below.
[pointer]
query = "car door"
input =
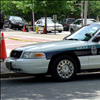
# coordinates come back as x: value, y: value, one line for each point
x: 94, y: 57
x: 76, y: 25
x: 73, y: 25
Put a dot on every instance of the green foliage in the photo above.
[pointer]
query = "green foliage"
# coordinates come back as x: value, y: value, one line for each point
x: 62, y: 8
x: 94, y: 7
x: 9, y: 8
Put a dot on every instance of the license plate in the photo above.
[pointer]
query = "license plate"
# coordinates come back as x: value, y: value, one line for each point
x: 20, y: 24
x: 8, y: 65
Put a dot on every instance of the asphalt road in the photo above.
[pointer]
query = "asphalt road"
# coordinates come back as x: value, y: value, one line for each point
x: 84, y: 87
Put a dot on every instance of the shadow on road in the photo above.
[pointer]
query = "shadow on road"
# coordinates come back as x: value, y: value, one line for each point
x: 48, y: 78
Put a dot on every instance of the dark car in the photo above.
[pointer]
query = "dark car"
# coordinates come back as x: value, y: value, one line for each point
x: 1, y: 20
x: 15, y: 22
x: 66, y: 22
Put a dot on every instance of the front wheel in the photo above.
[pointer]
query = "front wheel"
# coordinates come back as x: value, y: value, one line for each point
x: 71, y: 30
x: 64, y: 68
x: 10, y: 26
x: 59, y: 31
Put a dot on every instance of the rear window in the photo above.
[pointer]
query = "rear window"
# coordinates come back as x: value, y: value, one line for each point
x: 69, y: 21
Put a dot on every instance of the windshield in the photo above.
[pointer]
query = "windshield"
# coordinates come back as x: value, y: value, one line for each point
x: 48, y: 21
x: 90, y: 21
x: 16, y: 18
x: 81, y: 33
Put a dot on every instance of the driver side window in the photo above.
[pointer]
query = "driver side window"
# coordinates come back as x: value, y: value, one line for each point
x: 39, y: 22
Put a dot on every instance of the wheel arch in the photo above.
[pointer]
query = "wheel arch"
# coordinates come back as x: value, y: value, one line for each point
x: 71, y: 54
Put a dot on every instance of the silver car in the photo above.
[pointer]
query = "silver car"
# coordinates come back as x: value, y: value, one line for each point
x: 78, y: 23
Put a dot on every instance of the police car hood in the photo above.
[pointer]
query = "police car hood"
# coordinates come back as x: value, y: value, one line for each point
x: 52, y: 46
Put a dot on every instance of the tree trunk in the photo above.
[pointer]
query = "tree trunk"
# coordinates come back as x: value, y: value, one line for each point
x: 31, y: 20
x: 45, y: 21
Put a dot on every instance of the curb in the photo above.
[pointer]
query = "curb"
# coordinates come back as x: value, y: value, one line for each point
x: 12, y: 75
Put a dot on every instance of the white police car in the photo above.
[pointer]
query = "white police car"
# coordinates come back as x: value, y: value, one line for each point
x: 62, y: 59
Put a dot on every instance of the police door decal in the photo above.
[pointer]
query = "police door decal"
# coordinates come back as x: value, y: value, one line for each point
x: 93, y: 50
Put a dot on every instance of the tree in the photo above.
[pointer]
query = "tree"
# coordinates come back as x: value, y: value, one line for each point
x: 94, y: 8
x: 9, y: 8
x: 47, y: 6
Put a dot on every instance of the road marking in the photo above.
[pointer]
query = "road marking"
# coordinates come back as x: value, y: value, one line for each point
x: 33, y: 37
x: 22, y: 40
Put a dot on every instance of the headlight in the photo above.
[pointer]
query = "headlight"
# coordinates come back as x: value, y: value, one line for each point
x: 31, y: 55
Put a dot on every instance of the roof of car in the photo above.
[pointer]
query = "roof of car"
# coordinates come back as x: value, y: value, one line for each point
x: 87, y: 19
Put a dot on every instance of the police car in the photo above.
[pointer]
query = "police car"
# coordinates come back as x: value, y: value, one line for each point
x: 63, y: 59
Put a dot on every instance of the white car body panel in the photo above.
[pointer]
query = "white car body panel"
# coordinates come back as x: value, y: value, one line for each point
x: 94, y: 60
x: 84, y: 62
x: 50, y: 26
x: 29, y: 66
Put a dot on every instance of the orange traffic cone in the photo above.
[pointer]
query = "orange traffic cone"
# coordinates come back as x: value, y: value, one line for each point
x: 24, y: 28
x: 3, y: 54
x: 44, y: 30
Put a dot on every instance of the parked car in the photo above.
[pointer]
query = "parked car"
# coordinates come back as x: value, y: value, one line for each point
x: 61, y: 59
x: 50, y: 25
x: 78, y: 23
x: 1, y: 20
x: 66, y: 22
x: 15, y: 22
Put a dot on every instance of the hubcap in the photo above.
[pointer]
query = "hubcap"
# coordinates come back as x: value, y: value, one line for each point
x: 9, y: 25
x: 65, y: 68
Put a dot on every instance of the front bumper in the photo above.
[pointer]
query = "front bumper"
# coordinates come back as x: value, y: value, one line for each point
x: 28, y: 66
x: 18, y: 25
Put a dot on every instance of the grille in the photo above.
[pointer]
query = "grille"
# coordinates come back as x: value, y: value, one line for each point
x: 16, y: 54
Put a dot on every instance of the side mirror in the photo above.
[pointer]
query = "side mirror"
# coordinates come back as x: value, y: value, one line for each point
x: 97, y: 38
x: 88, y: 35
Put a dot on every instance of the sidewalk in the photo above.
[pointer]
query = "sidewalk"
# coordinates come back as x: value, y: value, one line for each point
x: 30, y: 37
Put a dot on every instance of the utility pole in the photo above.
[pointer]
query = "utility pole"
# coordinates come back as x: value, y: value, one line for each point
x: 82, y: 12
x: 33, y: 16
x: 85, y: 11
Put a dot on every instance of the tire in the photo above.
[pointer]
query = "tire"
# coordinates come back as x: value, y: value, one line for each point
x: 59, y: 31
x: 10, y: 26
x: 71, y: 30
x: 64, y: 68
x: 1, y: 26
x: 19, y: 28
x: 49, y: 31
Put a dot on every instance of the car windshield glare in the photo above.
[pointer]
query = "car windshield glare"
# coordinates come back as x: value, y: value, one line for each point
x: 48, y: 21
x: 16, y: 18
x: 90, y: 21
x: 81, y: 33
